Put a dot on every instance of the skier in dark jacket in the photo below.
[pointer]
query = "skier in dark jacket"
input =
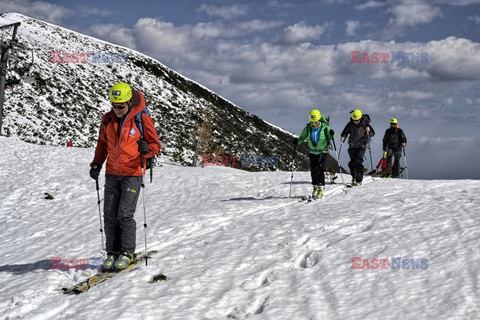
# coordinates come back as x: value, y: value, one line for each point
x: 393, y: 142
x: 359, y: 131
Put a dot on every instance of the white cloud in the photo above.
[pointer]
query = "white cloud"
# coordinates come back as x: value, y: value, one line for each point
x: 453, y: 59
x: 470, y: 101
x: 409, y: 14
x: 370, y: 5
x: 441, y: 140
x: 38, y: 9
x: 300, y: 33
x: 411, y: 95
x: 169, y: 43
x: 256, y: 26
x: 475, y: 19
x: 458, y: 2
x: 114, y: 33
x: 412, y: 12
x: 232, y: 30
x: 225, y: 12
x: 351, y: 27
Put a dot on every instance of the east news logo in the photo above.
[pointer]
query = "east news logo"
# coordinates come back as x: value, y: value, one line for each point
x: 396, y: 263
x: 398, y: 57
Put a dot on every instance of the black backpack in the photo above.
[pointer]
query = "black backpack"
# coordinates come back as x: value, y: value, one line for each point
x: 366, y: 119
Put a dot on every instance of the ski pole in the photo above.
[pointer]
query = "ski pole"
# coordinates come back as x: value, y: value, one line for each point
x: 338, y: 162
x: 293, y: 167
x: 100, y: 213
x: 370, y: 151
x: 339, y: 151
x: 144, y: 207
x: 405, y: 159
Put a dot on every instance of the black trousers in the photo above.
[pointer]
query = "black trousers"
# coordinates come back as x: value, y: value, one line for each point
x: 396, y: 154
x: 317, y: 168
x: 356, y: 163
x: 121, y: 196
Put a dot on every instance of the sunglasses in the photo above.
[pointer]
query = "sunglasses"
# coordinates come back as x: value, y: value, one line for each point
x: 119, y: 106
x: 315, y: 123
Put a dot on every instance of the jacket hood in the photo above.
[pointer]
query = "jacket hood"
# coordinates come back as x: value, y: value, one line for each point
x: 137, y: 104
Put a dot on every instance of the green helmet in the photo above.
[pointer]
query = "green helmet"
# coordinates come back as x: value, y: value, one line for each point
x: 120, y: 93
x: 393, y: 121
x: 315, y: 115
x: 356, y: 115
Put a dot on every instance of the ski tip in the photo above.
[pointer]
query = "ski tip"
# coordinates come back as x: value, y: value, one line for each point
x: 71, y: 291
x: 158, y: 278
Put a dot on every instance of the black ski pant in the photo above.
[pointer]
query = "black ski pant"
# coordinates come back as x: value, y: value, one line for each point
x: 121, y: 196
x: 396, y: 154
x: 317, y: 168
x: 356, y: 163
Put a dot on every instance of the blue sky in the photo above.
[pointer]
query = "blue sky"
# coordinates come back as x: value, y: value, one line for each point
x: 279, y: 59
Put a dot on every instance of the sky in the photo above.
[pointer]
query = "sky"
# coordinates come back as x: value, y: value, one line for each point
x: 280, y: 59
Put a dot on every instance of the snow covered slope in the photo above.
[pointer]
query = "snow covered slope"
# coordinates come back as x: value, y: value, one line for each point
x: 233, y: 245
x: 68, y: 100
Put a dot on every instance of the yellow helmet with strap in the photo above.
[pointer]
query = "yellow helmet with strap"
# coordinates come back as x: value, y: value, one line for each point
x: 356, y: 115
x: 315, y: 115
x: 120, y: 93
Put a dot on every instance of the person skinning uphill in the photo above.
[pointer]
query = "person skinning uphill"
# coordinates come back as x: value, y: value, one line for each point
x: 120, y: 144
x: 359, y: 131
x: 393, y: 142
x: 318, y: 133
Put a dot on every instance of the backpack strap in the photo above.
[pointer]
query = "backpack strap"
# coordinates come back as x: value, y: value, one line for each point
x: 138, y: 121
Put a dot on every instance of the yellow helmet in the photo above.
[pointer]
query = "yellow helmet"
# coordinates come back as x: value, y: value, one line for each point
x: 120, y: 92
x: 315, y: 115
x: 393, y: 121
x: 356, y: 114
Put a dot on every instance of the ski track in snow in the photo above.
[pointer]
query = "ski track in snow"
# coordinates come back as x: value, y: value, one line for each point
x: 234, y: 246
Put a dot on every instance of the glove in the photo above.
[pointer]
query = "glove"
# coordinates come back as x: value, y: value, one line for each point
x: 384, y: 154
x: 295, y: 141
x: 331, y: 132
x: 95, y: 170
x: 143, y: 146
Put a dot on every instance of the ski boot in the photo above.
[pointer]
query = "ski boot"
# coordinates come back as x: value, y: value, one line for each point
x: 109, y: 262
x: 314, y: 192
x: 354, y: 182
x: 319, y: 192
x: 124, y: 261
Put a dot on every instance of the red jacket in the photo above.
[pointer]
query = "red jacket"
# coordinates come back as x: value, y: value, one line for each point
x: 383, y: 164
x: 119, y: 147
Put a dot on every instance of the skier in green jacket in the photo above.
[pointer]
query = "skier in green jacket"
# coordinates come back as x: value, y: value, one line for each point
x: 318, y: 133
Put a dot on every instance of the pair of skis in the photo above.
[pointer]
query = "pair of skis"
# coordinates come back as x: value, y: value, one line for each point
x: 103, y: 276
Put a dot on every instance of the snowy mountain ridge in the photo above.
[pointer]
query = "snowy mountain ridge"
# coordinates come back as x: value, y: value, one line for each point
x: 233, y: 245
x: 68, y: 99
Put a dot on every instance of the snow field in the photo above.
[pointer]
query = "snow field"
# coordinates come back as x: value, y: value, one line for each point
x: 234, y: 246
